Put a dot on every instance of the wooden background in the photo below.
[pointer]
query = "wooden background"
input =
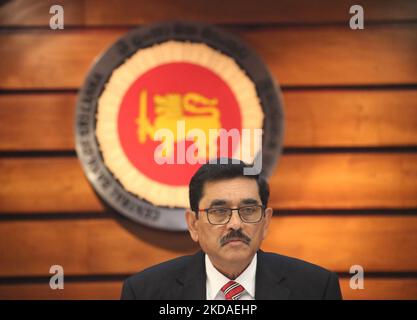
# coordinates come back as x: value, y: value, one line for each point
x: 345, y: 190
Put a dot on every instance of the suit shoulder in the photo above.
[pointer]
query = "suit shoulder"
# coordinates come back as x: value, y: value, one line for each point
x: 290, y: 264
x: 157, y: 282
x: 165, y: 269
x: 307, y: 280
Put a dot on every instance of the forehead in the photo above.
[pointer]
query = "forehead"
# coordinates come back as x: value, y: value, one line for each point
x: 231, y: 190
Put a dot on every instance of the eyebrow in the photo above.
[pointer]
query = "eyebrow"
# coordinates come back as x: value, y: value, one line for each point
x: 222, y: 202
x: 249, y: 201
x: 218, y: 202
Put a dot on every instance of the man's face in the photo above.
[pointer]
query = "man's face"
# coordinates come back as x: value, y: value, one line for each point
x: 229, y: 193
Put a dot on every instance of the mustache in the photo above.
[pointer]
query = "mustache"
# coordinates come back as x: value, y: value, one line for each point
x: 235, y: 235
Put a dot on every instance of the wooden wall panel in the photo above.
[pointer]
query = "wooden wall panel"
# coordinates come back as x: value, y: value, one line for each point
x: 133, y: 12
x: 103, y: 290
x: 20, y: 13
x: 311, y: 181
x: 346, y: 184
x: 37, y: 122
x: 350, y: 118
x: 84, y: 246
x: 32, y: 185
x: 310, y: 56
x: 376, y: 243
x: 103, y: 246
x: 379, y: 288
x: 343, y: 180
x: 43, y: 59
x: 338, y: 118
x: 382, y: 289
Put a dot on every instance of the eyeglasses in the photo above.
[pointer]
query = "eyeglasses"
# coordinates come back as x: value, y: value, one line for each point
x: 248, y: 214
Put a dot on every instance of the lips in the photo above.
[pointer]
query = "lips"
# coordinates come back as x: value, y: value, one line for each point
x: 235, y: 241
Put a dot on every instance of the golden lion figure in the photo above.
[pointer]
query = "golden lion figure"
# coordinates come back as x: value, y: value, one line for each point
x: 197, y: 112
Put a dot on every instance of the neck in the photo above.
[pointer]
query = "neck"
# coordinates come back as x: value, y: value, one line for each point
x: 231, y: 270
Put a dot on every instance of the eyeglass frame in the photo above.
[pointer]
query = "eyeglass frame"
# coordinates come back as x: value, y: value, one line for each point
x: 231, y: 213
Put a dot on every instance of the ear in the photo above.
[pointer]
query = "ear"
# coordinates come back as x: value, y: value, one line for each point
x: 268, y: 216
x: 192, y: 223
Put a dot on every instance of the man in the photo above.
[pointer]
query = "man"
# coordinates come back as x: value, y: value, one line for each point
x: 229, y: 218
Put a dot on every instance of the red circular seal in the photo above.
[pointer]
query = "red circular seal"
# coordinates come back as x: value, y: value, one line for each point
x: 162, y: 97
x: 188, y: 79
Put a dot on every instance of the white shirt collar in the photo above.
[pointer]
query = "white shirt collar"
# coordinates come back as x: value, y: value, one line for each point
x: 216, y: 280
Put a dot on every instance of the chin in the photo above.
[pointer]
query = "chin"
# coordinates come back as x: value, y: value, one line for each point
x: 233, y: 253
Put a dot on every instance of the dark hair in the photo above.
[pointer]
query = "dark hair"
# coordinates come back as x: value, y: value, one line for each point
x: 219, y: 171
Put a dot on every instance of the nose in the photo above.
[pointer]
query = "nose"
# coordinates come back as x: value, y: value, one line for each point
x: 235, y: 221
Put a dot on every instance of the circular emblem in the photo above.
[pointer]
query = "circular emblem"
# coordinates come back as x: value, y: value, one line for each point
x: 163, y: 100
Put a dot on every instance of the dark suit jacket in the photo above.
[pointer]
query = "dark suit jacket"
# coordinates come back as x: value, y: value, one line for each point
x: 277, y: 277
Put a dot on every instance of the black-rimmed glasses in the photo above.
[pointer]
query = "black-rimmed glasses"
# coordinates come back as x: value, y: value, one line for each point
x: 222, y: 215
